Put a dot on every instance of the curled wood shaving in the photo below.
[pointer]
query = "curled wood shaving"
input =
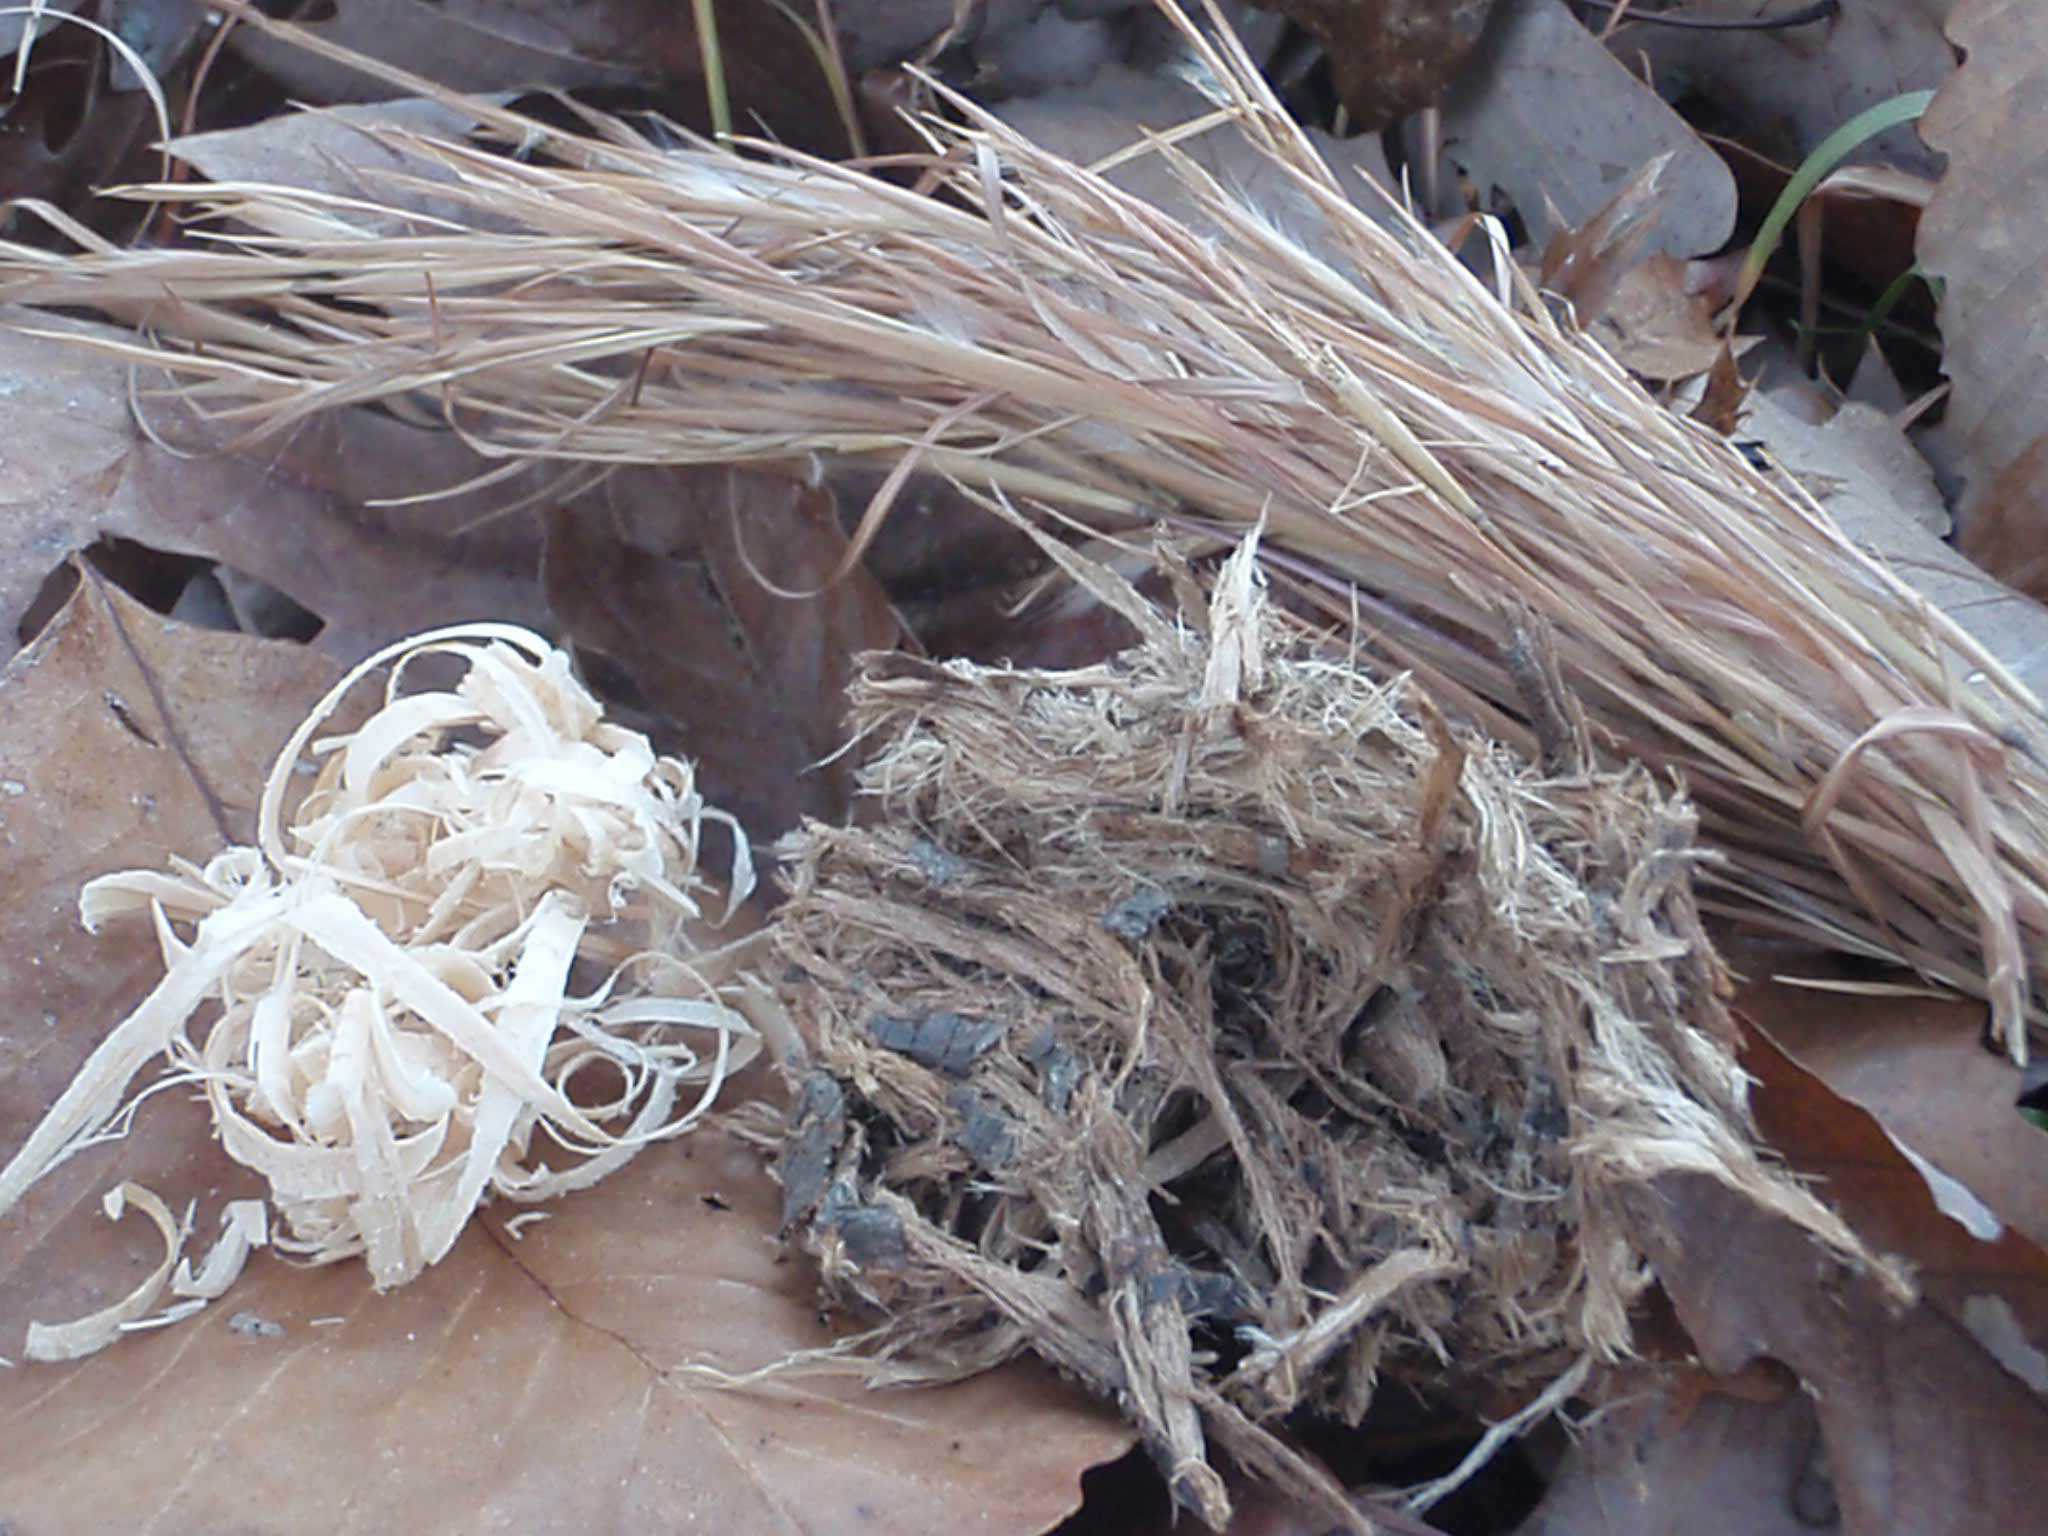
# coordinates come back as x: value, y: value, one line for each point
x: 245, y: 1226
x: 391, y: 1022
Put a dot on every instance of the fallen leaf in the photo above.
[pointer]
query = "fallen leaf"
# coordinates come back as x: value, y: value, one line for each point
x: 122, y: 739
x: 1983, y: 236
x: 293, y: 515
x: 1724, y: 397
x: 1861, y: 467
x: 749, y: 683
x: 1665, y: 1463
x: 773, y: 78
x: 1875, y: 384
x: 349, y: 152
x: 537, y: 1383
x: 1907, y: 1196
x: 68, y: 132
x: 1924, y: 1431
x: 1871, y: 479
x: 1920, y: 1068
x: 877, y: 32
x: 1655, y: 326
x: 1391, y: 57
x: 1551, y: 118
x: 467, y: 45
x: 541, y: 1381
x: 1790, y: 88
x: 1116, y: 108
x: 1584, y: 265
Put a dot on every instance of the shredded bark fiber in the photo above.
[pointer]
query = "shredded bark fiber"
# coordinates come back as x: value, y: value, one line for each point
x: 1217, y: 1025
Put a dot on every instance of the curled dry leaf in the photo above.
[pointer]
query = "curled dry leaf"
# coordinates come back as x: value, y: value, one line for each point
x: 1909, y: 1182
x: 1925, y: 1429
x: 1646, y: 310
x: 1674, y: 1463
x: 396, y: 1034
x: 1656, y: 325
x: 1924, y: 1432
x: 1918, y: 1066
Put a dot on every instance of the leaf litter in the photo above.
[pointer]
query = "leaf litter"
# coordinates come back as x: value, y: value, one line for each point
x: 1982, y: 236
x: 936, y: 858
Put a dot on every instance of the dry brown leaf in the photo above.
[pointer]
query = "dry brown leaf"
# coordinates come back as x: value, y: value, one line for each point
x: 350, y: 152
x: 1117, y: 108
x: 470, y: 45
x: 1919, y: 1066
x: 1908, y: 1207
x: 68, y: 133
x: 1724, y: 396
x: 1650, y: 312
x: 1984, y: 236
x: 1670, y: 1464
x: 90, y: 763
x: 772, y: 75
x: 1546, y: 115
x: 876, y: 32
x: 1657, y: 327
x: 755, y: 682
x: 534, y: 1381
x: 1584, y: 264
x: 1924, y: 1430
x: 1391, y: 57
x: 121, y: 738
x: 294, y: 515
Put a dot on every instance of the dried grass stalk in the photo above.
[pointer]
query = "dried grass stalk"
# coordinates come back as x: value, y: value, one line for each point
x: 1425, y: 453
x: 1218, y: 1026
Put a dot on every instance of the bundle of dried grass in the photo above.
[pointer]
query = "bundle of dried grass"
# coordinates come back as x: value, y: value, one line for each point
x: 1424, y: 451
x: 1214, y: 1024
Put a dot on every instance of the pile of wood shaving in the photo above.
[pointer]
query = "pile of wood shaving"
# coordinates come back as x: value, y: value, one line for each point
x: 380, y: 1002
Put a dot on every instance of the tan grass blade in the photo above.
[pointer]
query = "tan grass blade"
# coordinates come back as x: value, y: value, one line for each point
x: 1424, y: 458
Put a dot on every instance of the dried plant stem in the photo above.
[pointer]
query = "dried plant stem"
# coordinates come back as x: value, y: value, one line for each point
x: 1422, y: 455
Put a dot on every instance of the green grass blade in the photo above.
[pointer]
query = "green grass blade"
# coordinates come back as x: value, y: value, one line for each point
x: 1829, y: 153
